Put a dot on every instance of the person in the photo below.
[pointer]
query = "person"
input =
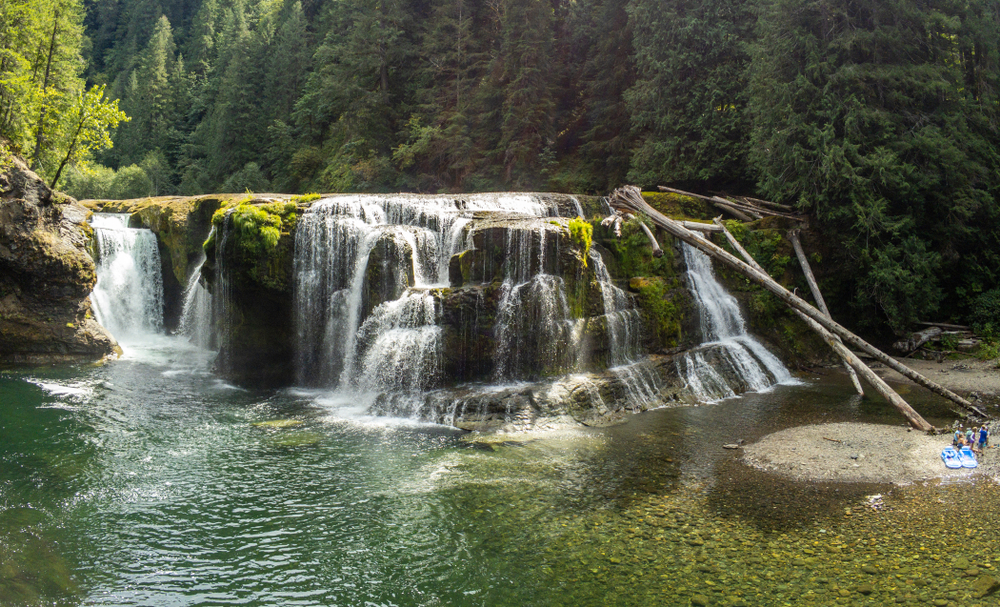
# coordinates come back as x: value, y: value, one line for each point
x: 984, y: 435
x: 970, y: 438
x: 959, y: 435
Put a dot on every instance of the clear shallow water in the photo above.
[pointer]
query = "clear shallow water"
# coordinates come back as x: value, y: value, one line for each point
x: 150, y: 482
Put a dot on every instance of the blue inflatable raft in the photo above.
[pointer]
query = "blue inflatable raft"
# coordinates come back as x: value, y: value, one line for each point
x: 967, y: 457
x: 950, y: 457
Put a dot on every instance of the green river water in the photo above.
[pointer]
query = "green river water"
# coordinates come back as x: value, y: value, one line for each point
x: 148, y: 481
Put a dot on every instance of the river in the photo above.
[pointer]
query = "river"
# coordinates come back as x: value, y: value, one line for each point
x: 148, y: 481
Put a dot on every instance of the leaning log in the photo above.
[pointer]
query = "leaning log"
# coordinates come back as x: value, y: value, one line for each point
x: 700, y: 227
x: 826, y: 335
x: 793, y: 235
x: 629, y: 198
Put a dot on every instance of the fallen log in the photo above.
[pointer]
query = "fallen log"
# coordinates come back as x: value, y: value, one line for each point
x: 915, y: 340
x: 630, y: 199
x: 657, y: 251
x: 767, y: 203
x: 854, y: 365
x: 700, y: 227
x: 944, y: 325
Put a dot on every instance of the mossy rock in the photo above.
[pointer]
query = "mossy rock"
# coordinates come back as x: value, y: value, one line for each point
x: 278, y: 423
x: 663, y: 303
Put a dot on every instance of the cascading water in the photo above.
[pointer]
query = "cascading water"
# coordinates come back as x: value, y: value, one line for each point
x: 197, y: 320
x: 128, y: 296
x: 741, y: 359
x: 370, y: 277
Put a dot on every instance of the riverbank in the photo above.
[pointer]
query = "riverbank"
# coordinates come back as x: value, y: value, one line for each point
x: 876, y: 453
x: 861, y: 453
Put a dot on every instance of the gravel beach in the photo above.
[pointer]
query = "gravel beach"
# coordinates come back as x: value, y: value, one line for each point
x: 856, y: 452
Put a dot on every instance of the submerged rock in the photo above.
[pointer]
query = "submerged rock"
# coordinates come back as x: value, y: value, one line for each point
x: 46, y: 275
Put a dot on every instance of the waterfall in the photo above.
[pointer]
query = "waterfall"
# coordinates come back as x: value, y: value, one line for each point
x: 197, y: 321
x: 364, y: 265
x: 128, y: 296
x: 730, y: 360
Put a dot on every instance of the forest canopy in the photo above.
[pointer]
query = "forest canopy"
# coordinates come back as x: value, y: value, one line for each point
x: 878, y: 119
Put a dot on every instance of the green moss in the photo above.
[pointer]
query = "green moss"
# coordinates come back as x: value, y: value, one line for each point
x: 767, y: 246
x: 634, y: 255
x: 582, y: 233
x: 311, y: 196
x: 663, y: 315
x: 678, y: 205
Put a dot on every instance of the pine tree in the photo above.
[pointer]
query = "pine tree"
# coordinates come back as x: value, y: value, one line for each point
x: 862, y: 117
x: 688, y: 105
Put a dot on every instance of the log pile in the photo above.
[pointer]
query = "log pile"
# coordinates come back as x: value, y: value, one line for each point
x: 744, y: 208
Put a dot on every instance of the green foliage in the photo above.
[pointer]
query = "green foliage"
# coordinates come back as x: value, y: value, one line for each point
x: 688, y: 104
x: 985, y: 314
x: 767, y: 247
x: 94, y: 181
x: 311, y: 196
x: 633, y: 253
x: 249, y: 178
x: 256, y: 231
x: 582, y: 234
x: 880, y: 119
x: 662, y: 313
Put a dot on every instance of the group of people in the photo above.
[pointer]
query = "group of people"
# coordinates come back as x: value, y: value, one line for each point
x: 976, y: 439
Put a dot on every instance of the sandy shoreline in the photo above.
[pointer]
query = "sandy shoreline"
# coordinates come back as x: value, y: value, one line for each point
x: 857, y: 452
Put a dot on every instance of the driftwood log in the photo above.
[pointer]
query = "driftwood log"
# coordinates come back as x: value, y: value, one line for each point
x: 744, y: 209
x: 657, y: 251
x: 793, y: 235
x: 630, y: 199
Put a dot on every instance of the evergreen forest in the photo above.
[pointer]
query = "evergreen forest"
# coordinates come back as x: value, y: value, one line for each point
x: 878, y: 118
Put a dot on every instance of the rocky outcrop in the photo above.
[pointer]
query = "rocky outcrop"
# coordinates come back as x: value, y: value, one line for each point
x: 251, y: 278
x: 46, y: 275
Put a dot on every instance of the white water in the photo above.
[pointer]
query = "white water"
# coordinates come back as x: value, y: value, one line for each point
x: 367, y: 321
x: 128, y: 296
x: 724, y: 330
x: 197, y: 314
x: 363, y: 266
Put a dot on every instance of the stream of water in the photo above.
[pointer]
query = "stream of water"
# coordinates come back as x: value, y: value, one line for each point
x: 148, y: 481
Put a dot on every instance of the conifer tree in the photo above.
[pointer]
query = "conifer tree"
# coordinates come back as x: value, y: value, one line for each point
x: 688, y: 105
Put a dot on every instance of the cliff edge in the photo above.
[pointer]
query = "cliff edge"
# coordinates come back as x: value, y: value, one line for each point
x: 46, y: 274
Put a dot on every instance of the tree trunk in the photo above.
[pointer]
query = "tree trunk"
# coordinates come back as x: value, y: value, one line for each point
x: 630, y: 199
x: 657, y: 251
x: 40, y: 131
x: 793, y: 235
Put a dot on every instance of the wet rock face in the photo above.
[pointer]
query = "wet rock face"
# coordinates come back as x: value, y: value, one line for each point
x: 254, y: 310
x: 46, y: 275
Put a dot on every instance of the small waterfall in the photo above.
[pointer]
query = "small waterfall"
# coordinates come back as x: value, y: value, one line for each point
x: 128, y: 296
x: 728, y: 350
x: 197, y: 320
